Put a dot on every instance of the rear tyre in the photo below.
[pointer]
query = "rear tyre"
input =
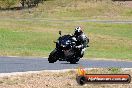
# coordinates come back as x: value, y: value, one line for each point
x: 74, y: 60
x: 53, y: 56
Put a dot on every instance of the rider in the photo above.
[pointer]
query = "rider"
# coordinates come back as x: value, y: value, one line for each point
x: 82, y: 40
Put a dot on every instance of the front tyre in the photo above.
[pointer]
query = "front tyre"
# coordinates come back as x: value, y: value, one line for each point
x: 53, y: 56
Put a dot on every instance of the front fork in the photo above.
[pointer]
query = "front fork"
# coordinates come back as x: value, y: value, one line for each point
x: 60, y: 55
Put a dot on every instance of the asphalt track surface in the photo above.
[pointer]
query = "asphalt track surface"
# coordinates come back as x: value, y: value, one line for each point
x: 24, y: 64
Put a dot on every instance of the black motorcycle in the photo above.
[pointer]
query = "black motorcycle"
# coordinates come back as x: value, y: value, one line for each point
x: 65, y: 50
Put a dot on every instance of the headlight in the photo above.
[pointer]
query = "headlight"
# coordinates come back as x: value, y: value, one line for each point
x: 67, y: 42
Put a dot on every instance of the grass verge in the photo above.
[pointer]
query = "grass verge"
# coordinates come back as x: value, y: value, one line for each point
x: 35, y: 38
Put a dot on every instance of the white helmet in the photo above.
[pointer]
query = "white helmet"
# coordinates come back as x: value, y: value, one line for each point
x: 78, y: 31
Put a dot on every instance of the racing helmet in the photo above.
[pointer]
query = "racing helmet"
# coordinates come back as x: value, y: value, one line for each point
x: 78, y: 31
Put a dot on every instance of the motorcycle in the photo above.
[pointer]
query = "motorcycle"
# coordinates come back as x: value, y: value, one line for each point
x: 65, y: 50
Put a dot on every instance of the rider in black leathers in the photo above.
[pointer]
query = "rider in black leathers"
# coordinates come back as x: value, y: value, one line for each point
x: 82, y: 41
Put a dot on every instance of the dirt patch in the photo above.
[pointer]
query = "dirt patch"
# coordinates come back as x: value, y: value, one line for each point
x: 58, y: 80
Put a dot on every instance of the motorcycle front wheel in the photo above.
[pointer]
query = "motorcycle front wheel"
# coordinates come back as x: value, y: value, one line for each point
x: 53, y: 56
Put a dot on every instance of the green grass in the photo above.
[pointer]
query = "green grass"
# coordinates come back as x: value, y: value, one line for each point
x: 24, y: 43
x: 29, y: 38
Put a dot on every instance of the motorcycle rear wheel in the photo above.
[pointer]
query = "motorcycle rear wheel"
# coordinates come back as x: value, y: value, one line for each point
x: 74, y: 60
